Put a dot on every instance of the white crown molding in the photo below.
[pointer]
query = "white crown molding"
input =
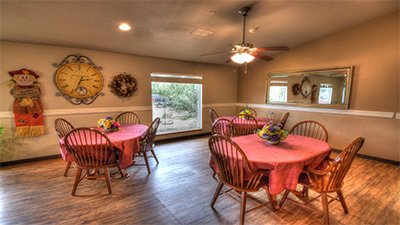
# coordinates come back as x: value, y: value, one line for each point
x: 347, y: 112
x: 62, y: 112
x: 397, y: 116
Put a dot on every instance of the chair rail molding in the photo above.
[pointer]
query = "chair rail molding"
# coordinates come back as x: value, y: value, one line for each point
x: 60, y: 112
x: 347, y: 112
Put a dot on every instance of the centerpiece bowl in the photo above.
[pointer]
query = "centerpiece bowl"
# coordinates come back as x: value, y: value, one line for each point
x: 273, y: 133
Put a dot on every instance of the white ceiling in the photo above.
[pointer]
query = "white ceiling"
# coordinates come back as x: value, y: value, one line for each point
x: 163, y: 28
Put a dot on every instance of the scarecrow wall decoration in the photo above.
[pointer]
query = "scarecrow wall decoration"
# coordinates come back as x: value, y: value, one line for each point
x: 27, y: 107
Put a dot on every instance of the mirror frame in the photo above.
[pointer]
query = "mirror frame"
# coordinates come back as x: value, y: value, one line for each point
x: 345, y: 105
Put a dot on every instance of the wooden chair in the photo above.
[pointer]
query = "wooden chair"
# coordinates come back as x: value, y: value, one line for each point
x: 253, y: 111
x: 284, y: 119
x: 128, y: 118
x: 91, y: 150
x: 232, y: 170
x: 62, y: 127
x: 225, y: 127
x: 310, y: 128
x: 213, y: 115
x: 329, y: 180
x: 245, y: 126
x: 147, y: 143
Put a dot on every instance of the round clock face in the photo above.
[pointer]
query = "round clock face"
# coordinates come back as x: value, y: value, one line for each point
x: 305, y: 90
x: 305, y: 87
x: 79, y: 80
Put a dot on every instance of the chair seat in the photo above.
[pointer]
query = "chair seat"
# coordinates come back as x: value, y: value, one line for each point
x: 318, y: 183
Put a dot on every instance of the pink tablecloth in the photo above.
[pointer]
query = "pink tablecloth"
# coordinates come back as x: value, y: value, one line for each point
x: 126, y: 140
x: 260, y: 121
x: 285, y: 160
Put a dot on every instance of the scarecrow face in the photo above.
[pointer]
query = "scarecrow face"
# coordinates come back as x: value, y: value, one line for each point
x: 24, y: 80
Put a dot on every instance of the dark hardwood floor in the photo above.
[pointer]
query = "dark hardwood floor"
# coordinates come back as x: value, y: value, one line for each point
x: 179, y: 191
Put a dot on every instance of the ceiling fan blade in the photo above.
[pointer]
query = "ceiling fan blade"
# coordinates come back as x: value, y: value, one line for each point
x: 216, y: 53
x: 281, y: 48
x: 261, y: 56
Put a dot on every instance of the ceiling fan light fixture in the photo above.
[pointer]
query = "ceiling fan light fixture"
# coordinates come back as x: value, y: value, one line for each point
x: 242, y: 58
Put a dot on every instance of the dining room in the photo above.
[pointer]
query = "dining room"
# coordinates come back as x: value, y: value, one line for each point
x: 168, y: 179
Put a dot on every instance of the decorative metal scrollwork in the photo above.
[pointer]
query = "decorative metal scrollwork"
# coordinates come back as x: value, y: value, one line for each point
x: 77, y: 58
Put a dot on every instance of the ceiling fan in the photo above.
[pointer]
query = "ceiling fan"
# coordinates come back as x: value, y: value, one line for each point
x: 245, y: 52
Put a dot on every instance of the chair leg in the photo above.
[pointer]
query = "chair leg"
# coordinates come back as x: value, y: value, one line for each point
x: 272, y: 199
x: 243, y: 206
x: 154, y: 154
x: 146, y: 160
x: 77, y: 178
x: 107, y: 174
x: 216, y: 194
x: 67, y: 168
x: 324, y: 198
x: 283, y: 199
x: 305, y: 191
x: 120, y: 170
x: 341, y: 198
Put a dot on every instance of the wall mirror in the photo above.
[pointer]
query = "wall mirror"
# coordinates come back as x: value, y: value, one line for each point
x: 323, y: 88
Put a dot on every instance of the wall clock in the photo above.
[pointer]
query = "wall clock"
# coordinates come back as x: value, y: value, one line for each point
x: 305, y: 87
x: 78, y: 79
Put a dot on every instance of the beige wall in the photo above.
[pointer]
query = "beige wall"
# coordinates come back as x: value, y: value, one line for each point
x: 373, y: 49
x: 39, y: 58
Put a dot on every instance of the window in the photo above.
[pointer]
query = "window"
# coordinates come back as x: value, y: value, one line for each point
x: 325, y: 95
x: 278, y: 94
x: 177, y: 100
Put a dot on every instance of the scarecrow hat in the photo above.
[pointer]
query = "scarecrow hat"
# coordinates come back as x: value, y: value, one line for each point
x: 23, y: 72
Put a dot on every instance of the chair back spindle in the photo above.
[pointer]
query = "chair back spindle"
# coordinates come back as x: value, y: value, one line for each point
x: 284, y: 119
x: 245, y: 126
x: 225, y: 127
x: 213, y: 115
x: 310, y: 128
x: 128, y: 118
x: 62, y: 127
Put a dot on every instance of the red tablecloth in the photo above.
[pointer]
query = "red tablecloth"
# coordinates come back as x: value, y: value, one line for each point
x: 126, y: 140
x: 260, y: 121
x: 285, y: 160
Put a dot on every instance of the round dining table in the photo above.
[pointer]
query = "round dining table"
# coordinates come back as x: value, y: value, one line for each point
x: 126, y: 140
x: 284, y: 161
x: 261, y: 121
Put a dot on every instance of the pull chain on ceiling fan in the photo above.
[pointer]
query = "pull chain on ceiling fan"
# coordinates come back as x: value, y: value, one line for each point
x: 245, y: 52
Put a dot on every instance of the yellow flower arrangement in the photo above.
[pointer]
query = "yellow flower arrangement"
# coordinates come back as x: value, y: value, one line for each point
x: 109, y: 124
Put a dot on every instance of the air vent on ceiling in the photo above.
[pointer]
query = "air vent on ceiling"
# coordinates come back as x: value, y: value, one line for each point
x: 201, y: 32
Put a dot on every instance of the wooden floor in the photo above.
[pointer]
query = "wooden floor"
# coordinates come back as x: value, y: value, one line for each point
x: 179, y: 191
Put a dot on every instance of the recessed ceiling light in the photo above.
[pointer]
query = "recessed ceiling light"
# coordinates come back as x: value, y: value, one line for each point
x: 124, y: 26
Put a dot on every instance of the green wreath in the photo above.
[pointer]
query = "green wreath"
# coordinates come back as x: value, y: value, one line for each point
x: 123, y: 85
